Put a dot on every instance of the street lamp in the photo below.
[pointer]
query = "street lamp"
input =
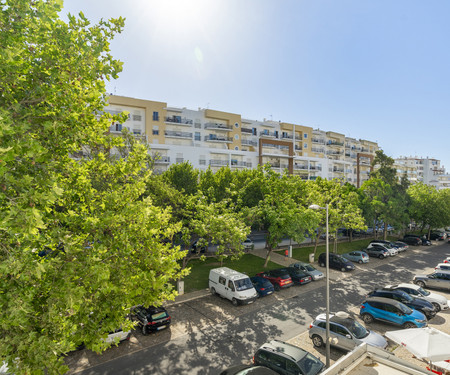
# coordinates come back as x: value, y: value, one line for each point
x: 327, y: 327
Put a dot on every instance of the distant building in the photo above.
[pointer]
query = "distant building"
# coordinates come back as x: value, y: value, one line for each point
x: 426, y: 170
x: 211, y: 138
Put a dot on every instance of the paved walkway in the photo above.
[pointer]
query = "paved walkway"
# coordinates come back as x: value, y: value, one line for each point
x: 274, y: 257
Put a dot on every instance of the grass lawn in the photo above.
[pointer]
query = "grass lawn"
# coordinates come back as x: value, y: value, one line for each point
x: 198, y: 278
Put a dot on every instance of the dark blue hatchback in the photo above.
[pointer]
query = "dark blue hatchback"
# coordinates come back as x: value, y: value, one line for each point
x: 263, y: 286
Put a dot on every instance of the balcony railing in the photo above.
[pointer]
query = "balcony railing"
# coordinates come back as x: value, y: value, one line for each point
x: 218, y: 126
x: 315, y: 168
x: 233, y: 163
x: 161, y: 160
x: 297, y: 148
x: 335, y: 143
x: 249, y: 142
x: 332, y: 152
x: 303, y: 167
x: 266, y: 133
x: 178, y: 120
x: 175, y: 134
x: 217, y: 138
x: 317, y: 140
x: 318, y: 150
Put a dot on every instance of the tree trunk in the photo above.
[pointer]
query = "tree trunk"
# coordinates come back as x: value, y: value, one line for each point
x: 385, y: 232
x: 269, y: 251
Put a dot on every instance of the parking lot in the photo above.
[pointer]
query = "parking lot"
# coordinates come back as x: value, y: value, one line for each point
x: 284, y: 315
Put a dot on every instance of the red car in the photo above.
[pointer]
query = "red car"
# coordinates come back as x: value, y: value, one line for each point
x: 279, y: 278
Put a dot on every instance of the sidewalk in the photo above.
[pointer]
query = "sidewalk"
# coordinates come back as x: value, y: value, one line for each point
x: 274, y: 257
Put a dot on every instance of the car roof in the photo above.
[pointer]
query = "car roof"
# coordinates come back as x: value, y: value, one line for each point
x: 384, y: 300
x: 286, y: 349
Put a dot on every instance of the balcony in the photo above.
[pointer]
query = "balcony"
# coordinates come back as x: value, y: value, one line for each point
x: 175, y: 134
x: 318, y: 140
x: 161, y: 159
x: 338, y: 170
x: 318, y: 150
x: 232, y: 163
x: 178, y: 120
x: 301, y: 166
x: 315, y: 167
x: 297, y: 148
x: 335, y: 143
x: 266, y: 133
x: 278, y: 165
x: 332, y: 152
x: 248, y: 142
x: 290, y: 136
x: 218, y: 126
x: 246, y: 130
x: 217, y: 138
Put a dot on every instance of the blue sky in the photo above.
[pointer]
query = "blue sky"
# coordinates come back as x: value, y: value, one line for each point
x: 376, y: 70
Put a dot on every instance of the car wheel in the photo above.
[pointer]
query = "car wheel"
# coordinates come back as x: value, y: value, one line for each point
x: 317, y: 341
x: 322, y: 264
x: 360, y: 261
x: 367, y: 318
x: 409, y: 325
x: 343, y: 269
x: 234, y: 301
x: 276, y: 287
x: 421, y: 284
x: 381, y: 256
x: 436, y: 306
x: 213, y: 291
x: 144, y: 330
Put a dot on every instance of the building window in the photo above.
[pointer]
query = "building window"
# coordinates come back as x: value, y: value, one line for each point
x: 197, y: 136
x: 305, y: 135
x: 155, y: 116
x: 155, y: 130
x: 236, y: 124
x: 236, y: 148
x: 305, y: 146
x: 236, y: 137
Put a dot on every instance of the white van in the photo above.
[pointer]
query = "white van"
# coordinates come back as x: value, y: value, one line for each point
x: 233, y: 285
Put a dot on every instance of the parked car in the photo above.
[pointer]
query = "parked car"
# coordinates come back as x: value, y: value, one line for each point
x: 357, y: 256
x: 196, y: 247
x: 285, y: 358
x: 309, y: 269
x: 446, y: 260
x: 377, y: 252
x: 279, y: 278
x: 423, y: 240
x: 248, y: 370
x: 438, y: 236
x: 443, y: 267
x: 391, y: 311
x: 418, y: 304
x: 440, y: 280
x: 391, y: 250
x: 336, y: 261
x: 150, y: 319
x: 232, y: 285
x: 298, y: 277
x: 413, y: 241
x: 248, y: 244
x: 263, y: 286
x: 346, y: 333
x: 401, y: 246
x: 439, y: 302
x: 118, y: 335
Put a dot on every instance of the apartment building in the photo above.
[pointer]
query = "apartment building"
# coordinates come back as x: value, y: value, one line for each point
x: 210, y: 138
x: 426, y: 170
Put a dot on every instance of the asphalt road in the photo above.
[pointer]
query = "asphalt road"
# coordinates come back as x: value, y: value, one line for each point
x: 210, y: 334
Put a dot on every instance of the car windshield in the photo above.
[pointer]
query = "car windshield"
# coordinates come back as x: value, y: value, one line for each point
x: 310, y: 365
x: 407, y: 297
x: 357, y: 330
x: 404, y: 309
x: 159, y: 315
x: 243, y: 284
x: 308, y: 267
x: 423, y: 292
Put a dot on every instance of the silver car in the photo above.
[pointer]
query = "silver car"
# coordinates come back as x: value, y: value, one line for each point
x: 345, y: 332
x: 309, y: 270
x: 437, y: 279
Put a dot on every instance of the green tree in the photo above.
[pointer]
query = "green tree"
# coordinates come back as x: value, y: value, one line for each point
x: 183, y: 177
x: 79, y: 243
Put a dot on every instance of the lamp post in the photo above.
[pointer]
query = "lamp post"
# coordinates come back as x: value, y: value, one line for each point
x: 327, y: 278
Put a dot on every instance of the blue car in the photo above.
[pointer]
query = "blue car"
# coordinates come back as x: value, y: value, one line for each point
x: 263, y: 286
x: 391, y: 311
x: 357, y: 256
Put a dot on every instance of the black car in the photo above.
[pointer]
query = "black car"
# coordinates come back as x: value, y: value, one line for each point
x: 336, y: 261
x: 437, y: 236
x: 197, y: 248
x: 412, y: 240
x: 150, y: 319
x: 423, y: 240
x: 419, y: 304
x: 263, y: 286
x: 298, y: 276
